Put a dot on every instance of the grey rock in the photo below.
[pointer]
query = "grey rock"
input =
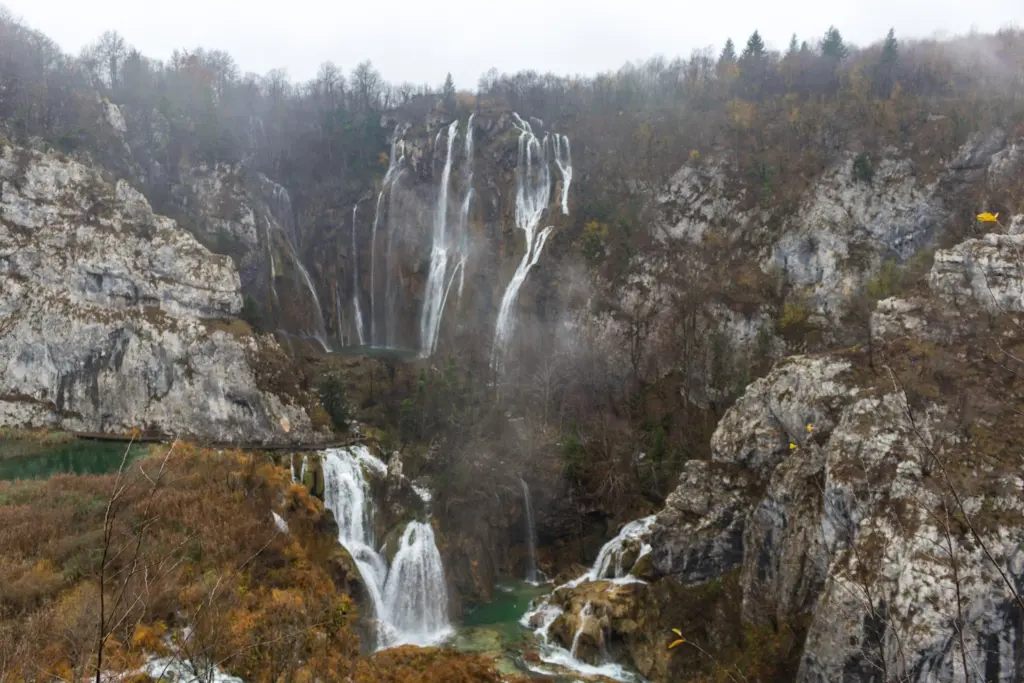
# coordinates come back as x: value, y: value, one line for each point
x: 108, y: 316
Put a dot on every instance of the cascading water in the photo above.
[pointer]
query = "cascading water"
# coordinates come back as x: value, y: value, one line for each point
x: 394, y: 170
x: 532, y: 575
x: 430, y: 319
x: 563, y: 160
x: 357, y: 311
x: 607, y: 567
x: 415, y: 597
x: 281, y: 209
x: 410, y: 601
x: 584, y: 615
x: 608, y: 564
x: 533, y: 193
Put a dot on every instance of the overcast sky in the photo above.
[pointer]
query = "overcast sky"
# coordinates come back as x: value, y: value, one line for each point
x: 420, y: 41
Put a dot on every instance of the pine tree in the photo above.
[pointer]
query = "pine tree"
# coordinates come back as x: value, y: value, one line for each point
x: 833, y: 46
x: 448, y: 93
x: 883, y: 77
x: 755, y: 47
x: 891, y: 48
x: 794, y: 47
x: 728, y: 53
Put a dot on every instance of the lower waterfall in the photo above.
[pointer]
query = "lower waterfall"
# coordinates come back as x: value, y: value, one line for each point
x: 410, y: 600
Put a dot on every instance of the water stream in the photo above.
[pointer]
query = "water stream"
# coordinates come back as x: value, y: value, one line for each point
x: 609, y: 566
x: 410, y: 600
x: 533, y: 194
x: 532, y: 574
x: 356, y: 309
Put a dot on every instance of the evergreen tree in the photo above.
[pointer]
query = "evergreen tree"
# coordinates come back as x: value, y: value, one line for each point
x: 890, y: 49
x: 805, y: 48
x: 755, y: 47
x: 794, y: 47
x: 833, y: 46
x: 448, y: 93
x: 728, y: 53
x: 883, y: 78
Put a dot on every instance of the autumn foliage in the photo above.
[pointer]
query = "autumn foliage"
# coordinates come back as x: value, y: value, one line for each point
x: 196, y: 571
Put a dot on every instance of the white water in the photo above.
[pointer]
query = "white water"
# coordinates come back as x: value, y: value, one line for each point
x: 410, y: 600
x: 181, y: 670
x: 415, y: 597
x: 533, y: 193
x: 282, y: 211
x: 563, y: 160
x: 607, y: 567
x: 433, y: 296
x: 552, y: 653
x: 318, y: 316
x: 610, y: 557
x: 584, y: 615
x: 394, y: 163
x: 357, y: 311
x: 532, y: 575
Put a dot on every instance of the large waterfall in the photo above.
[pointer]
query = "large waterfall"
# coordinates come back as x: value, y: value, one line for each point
x: 395, y: 161
x: 413, y: 227
x: 410, y: 601
x: 533, y: 193
x: 450, y: 244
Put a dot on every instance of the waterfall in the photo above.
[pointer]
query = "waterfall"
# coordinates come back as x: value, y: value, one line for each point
x: 410, y: 602
x: 610, y: 557
x: 415, y: 597
x: 607, y: 567
x: 532, y: 574
x: 357, y: 312
x: 280, y: 206
x: 321, y: 326
x: 430, y: 319
x: 463, y: 234
x: 533, y: 192
x: 584, y: 614
x: 564, y: 164
x: 339, y: 316
x: 394, y: 163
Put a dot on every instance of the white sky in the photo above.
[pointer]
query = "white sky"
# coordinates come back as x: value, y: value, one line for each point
x: 413, y: 40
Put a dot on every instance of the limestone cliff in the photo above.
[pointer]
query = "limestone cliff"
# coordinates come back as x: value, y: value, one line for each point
x: 867, y: 502
x: 113, y: 317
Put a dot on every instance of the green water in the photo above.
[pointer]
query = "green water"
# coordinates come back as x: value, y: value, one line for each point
x: 511, y: 600
x: 34, y: 460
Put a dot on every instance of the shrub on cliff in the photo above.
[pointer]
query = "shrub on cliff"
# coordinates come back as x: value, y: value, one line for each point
x: 334, y: 401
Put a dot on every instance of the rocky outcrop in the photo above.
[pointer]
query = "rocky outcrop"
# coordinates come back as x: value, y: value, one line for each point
x: 876, y: 509
x: 113, y: 317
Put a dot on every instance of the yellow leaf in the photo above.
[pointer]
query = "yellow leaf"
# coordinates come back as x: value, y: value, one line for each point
x: 987, y: 217
x: 792, y: 446
x: 677, y: 632
x: 677, y: 642
x: 810, y: 428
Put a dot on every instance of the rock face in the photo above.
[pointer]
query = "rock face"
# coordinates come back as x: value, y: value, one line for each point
x: 112, y: 317
x: 864, y: 504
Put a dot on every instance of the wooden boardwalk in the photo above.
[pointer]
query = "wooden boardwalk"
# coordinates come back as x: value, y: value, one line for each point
x: 164, y: 439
